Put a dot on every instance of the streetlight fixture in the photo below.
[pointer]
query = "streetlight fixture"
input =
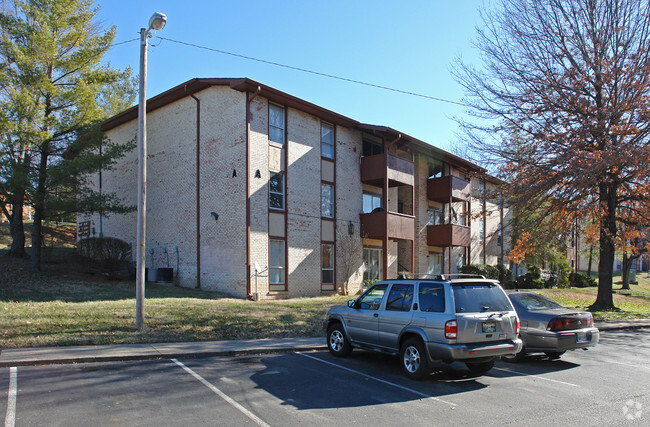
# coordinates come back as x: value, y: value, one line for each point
x: 156, y: 22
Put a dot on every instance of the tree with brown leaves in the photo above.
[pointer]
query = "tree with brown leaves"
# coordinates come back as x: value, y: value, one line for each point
x: 571, y: 78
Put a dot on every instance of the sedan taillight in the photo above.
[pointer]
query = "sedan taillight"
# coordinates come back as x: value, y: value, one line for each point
x: 451, y: 329
x: 584, y: 320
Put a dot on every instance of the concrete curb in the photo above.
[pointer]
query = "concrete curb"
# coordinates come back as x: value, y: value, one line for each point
x: 155, y: 351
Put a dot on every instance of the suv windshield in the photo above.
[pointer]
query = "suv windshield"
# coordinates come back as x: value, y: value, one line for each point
x: 480, y: 297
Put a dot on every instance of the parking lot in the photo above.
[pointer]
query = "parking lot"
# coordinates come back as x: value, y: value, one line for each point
x: 607, y: 385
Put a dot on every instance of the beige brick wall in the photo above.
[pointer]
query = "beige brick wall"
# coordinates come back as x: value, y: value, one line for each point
x: 171, y: 189
x: 171, y: 200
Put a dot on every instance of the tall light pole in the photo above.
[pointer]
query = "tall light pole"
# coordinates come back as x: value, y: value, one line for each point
x: 157, y: 22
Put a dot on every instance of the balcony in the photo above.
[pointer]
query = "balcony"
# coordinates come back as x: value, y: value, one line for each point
x: 448, y: 188
x: 375, y: 169
x: 375, y: 225
x: 448, y: 235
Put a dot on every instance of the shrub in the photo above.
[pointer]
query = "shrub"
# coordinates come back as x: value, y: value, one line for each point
x: 530, y: 280
x: 114, y: 255
x: 581, y: 280
x: 488, y: 271
x: 505, y: 276
x: 499, y: 272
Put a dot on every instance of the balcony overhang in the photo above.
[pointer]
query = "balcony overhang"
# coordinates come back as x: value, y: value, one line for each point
x: 375, y: 169
x: 380, y: 225
x: 446, y: 235
x: 448, y: 188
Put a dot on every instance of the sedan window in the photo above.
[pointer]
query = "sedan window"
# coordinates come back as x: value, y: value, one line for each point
x: 371, y: 300
x: 535, y: 301
x: 400, y: 298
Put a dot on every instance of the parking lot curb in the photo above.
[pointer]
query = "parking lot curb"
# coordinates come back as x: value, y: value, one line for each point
x: 158, y: 351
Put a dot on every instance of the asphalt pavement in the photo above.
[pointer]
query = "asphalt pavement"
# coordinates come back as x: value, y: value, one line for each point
x: 105, y: 353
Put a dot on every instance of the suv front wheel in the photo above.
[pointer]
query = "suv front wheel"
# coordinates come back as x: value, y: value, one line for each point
x: 414, y: 359
x: 337, y: 342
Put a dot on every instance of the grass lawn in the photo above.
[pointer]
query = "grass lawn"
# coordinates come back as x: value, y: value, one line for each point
x: 58, y: 307
x: 69, y: 303
x: 630, y: 304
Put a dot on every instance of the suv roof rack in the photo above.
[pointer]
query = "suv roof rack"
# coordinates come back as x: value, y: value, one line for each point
x: 442, y: 277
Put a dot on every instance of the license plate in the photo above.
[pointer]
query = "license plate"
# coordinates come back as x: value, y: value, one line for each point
x: 581, y: 337
x: 489, y: 327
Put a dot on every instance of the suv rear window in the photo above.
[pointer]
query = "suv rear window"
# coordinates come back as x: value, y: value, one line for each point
x: 480, y: 297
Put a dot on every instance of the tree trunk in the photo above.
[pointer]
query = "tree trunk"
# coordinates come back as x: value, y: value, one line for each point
x: 604, y: 299
x: 39, y: 210
x: 625, y: 272
x: 17, y: 230
x: 591, y: 258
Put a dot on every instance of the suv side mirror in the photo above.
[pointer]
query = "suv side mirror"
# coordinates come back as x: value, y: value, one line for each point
x: 352, y: 303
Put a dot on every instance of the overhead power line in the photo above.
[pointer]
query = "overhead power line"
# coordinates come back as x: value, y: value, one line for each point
x: 304, y: 70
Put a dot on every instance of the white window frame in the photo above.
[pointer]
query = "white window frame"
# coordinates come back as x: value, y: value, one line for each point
x: 373, y: 197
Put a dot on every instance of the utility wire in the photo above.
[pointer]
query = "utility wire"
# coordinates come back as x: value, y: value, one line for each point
x: 331, y: 76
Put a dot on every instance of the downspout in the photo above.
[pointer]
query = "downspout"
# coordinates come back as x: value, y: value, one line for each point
x: 484, y: 215
x: 386, y: 210
x: 249, y: 99
x: 198, y: 188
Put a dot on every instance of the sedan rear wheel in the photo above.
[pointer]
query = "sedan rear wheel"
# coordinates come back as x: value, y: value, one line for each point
x: 414, y: 359
x: 554, y: 354
x: 515, y: 358
x: 337, y: 342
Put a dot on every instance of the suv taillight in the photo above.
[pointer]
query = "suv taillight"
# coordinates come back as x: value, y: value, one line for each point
x: 451, y: 329
x: 518, y: 325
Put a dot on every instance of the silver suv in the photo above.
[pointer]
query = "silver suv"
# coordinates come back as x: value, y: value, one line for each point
x: 426, y: 321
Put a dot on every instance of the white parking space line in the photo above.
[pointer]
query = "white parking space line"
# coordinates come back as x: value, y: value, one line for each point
x: 535, y: 376
x: 426, y: 396
x: 221, y: 394
x: 10, y: 419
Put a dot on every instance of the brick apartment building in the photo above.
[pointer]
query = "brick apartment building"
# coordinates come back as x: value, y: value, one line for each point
x: 243, y: 175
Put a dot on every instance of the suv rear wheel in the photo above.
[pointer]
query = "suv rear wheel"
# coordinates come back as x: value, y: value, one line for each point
x: 414, y: 359
x: 337, y: 342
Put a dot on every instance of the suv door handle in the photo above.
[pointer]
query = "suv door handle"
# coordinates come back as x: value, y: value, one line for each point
x: 376, y: 315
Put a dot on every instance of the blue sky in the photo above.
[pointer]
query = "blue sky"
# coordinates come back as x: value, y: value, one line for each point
x: 408, y: 45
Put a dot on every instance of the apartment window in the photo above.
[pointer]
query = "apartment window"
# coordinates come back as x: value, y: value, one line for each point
x: 327, y: 140
x: 481, y: 231
x: 276, y: 123
x: 435, y: 216
x: 327, y: 267
x: 276, y: 191
x: 372, y: 260
x: 371, y: 202
x: 327, y: 200
x: 435, y: 263
x: 276, y: 262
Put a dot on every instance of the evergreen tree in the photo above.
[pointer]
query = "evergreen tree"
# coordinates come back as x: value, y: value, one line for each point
x: 54, y: 91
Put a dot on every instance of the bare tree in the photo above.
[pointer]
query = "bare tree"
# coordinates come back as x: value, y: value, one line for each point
x: 570, y: 78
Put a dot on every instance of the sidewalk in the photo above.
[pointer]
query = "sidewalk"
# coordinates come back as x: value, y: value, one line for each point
x: 118, y: 352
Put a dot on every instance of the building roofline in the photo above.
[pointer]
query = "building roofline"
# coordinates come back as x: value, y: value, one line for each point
x: 245, y: 84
